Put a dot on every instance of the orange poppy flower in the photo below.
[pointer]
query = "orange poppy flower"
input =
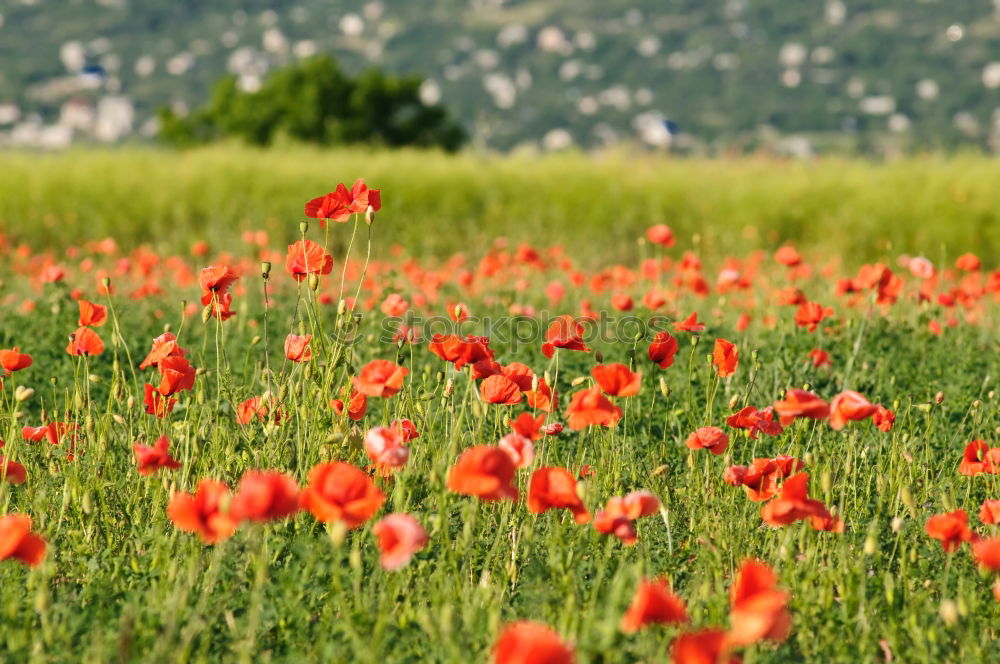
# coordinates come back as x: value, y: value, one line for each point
x: 215, y: 281
x: 18, y: 542
x: 155, y: 403
x: 542, y: 398
x: 499, y: 389
x: 653, y: 603
x: 459, y: 351
x: 54, y: 432
x: 761, y: 477
x: 757, y: 610
x: 725, y: 357
x: 950, y: 529
x: 976, y: 459
x: 690, y: 324
x: 386, y: 448
x: 528, y: 426
x: 297, y: 348
x: 619, y: 513
x: 566, y: 333
x: 85, y: 342
x: 399, y: 536
x: 260, y: 408
x: 151, y: 459
x: 338, y: 491
x: 811, y: 314
x: 712, y: 439
x: 265, y: 496
x: 485, y: 472
x: 305, y: 257
x: 13, y: 360
x: 660, y: 234
x: 793, y: 504
x: 520, y: 449
x: 589, y: 407
x: 800, y: 403
x: 986, y: 552
x: 755, y: 421
x: 531, y: 643
x: 968, y: 262
x: 662, y: 349
x: 555, y: 488
x: 164, y: 346
x: 93, y: 315
x: 617, y: 380
x: 883, y: 418
x: 406, y: 428
x: 521, y: 374
x: 357, y: 406
x: 176, y: 374
x: 340, y: 204
x: 11, y: 471
x: 380, y: 378
x: 820, y: 358
x: 707, y: 646
x: 989, y: 512
x: 849, y: 405
x: 204, y: 511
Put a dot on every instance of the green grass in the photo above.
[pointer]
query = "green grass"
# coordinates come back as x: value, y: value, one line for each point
x: 437, y: 204
x: 121, y: 583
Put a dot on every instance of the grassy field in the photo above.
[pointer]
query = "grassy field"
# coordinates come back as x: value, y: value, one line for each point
x: 124, y: 579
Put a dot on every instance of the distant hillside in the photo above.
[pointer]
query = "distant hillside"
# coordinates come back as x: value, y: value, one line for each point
x: 696, y: 75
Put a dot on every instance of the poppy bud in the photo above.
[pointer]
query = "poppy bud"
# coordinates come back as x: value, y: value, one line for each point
x: 106, y: 282
x: 534, y: 383
x: 313, y: 281
x: 506, y: 421
x: 206, y: 313
x: 118, y: 418
x: 734, y: 402
x: 439, y: 377
x: 41, y: 601
x: 664, y: 388
x: 354, y: 559
x: 255, y: 340
x: 599, y: 356
x: 87, y: 504
x: 303, y: 227
x: 548, y: 378
x: 753, y: 356
x: 897, y: 524
x: 22, y: 393
x: 449, y: 387
x: 694, y: 340
x: 341, y: 307
x: 661, y: 470
x: 976, y: 404
x: 94, y: 378
x: 576, y: 381
x: 907, y: 498
x: 949, y: 612
x: 370, y: 215
x: 889, y: 583
x: 265, y: 269
x: 871, y: 546
x: 337, y: 530
x: 130, y: 403
x: 826, y: 482
x: 458, y: 311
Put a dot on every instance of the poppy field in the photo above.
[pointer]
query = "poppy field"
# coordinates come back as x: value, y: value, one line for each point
x: 366, y: 427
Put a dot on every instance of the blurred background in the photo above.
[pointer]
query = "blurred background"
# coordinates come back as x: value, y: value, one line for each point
x: 705, y: 77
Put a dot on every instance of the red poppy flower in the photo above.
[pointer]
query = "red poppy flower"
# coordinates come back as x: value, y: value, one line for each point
x: 265, y: 496
x: 297, y: 348
x: 662, y: 349
x: 989, y: 513
x: 589, y: 407
x: 986, y: 553
x: 564, y: 332
x: 85, y: 342
x: 950, y: 529
x: 54, y: 432
x: 176, y: 374
x: 849, y: 405
x: 725, y: 357
x: 485, y: 472
x: 380, y: 378
x: 619, y: 513
x: 156, y: 404
x: 386, y: 448
x: 93, y: 315
x: 976, y: 459
x: 793, y: 504
x: 338, y: 491
x: 340, y: 204
x: 204, y: 512
x: 260, y: 408
x: 757, y: 610
x: 13, y: 360
x: 18, y: 542
x: 459, y: 351
x: 653, y: 603
x: 555, y: 488
x: 883, y: 418
x: 799, y: 403
x: 827, y: 522
x: 399, y: 536
x: 215, y: 281
x: 519, y: 448
x: 357, y: 406
x: 528, y: 426
x: 521, y: 374
x: 660, y: 234
x: 11, y: 471
x: 761, y: 477
x: 406, y: 428
x: 499, y: 389
x: 542, y: 398
x: 690, y: 324
x: 712, y: 439
x: 788, y: 256
x: 616, y: 380
x: 164, y: 346
x: 151, y: 459
x: 811, y: 314
x: 305, y: 257
x: 968, y: 262
x: 820, y: 358
x: 531, y: 643
x: 707, y: 646
x: 755, y: 421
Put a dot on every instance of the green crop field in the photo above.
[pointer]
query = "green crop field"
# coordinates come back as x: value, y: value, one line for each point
x: 861, y: 298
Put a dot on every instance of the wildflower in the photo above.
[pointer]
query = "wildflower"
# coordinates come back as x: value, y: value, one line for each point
x: 380, y: 378
x: 297, y: 348
x: 660, y: 234
x: 883, y: 418
x: 386, y: 448
x: 566, y: 333
x: 756, y: 609
x: 485, y: 472
x: 555, y: 488
x: 305, y: 257
x: 690, y: 324
x: 338, y: 491
x: 152, y: 459
x: 713, y: 439
x: 725, y: 357
x: 14, y: 360
x: 84, y: 341
x: 498, y: 389
x: 849, y: 405
x: 531, y: 643
x: 92, y: 315
x: 265, y: 496
x: 617, y: 380
x: 793, y: 503
x: 18, y: 542
x: 653, y: 602
x: 800, y: 403
x: 590, y: 407
x: 950, y: 529
x: 399, y: 536
x: 662, y: 349
x: 520, y: 449
x: 205, y: 512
